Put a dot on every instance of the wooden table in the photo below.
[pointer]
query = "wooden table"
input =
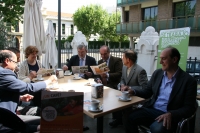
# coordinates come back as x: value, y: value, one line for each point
x: 109, y: 101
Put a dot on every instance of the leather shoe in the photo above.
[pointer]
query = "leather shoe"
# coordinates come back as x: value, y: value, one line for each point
x: 115, y: 123
x: 85, y: 128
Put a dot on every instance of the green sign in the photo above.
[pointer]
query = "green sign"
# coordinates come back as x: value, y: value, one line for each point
x: 178, y: 38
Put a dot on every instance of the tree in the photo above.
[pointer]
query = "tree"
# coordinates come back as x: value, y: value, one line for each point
x: 108, y: 32
x: 12, y: 10
x: 90, y: 19
x: 4, y: 36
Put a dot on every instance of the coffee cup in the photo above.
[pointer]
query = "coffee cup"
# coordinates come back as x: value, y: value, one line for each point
x: 39, y: 77
x: 94, y: 104
x: 125, y: 95
x: 91, y: 81
x: 76, y: 75
x: 67, y: 72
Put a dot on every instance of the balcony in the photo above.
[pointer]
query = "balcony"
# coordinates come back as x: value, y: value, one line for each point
x: 130, y: 2
x: 137, y: 27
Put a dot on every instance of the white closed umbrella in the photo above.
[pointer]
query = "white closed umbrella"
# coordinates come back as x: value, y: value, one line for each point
x: 51, y: 55
x: 33, y: 32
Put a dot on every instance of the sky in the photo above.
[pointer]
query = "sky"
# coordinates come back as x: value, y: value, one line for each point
x: 70, y: 6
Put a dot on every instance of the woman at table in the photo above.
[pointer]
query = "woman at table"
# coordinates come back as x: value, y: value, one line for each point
x: 29, y: 67
x: 28, y: 70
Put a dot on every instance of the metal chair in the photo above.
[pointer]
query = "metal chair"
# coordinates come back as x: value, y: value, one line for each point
x: 10, y: 122
x: 189, y: 121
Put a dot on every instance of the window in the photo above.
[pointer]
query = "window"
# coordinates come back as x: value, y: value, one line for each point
x: 126, y: 16
x: 54, y: 26
x: 150, y: 13
x: 72, y: 30
x: 8, y: 26
x: 185, y: 8
x: 17, y: 27
x: 63, y: 28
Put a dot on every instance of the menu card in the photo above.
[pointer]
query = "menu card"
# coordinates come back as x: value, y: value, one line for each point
x: 61, y: 112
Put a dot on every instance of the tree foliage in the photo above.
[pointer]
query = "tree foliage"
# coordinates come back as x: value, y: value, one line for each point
x: 12, y: 10
x: 90, y: 19
x: 4, y: 36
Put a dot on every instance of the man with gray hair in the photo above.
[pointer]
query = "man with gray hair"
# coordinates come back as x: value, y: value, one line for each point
x: 82, y: 59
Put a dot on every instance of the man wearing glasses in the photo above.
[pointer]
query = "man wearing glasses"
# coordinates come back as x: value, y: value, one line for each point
x: 11, y: 87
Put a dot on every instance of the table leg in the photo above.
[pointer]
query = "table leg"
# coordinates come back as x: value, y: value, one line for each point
x: 100, y: 124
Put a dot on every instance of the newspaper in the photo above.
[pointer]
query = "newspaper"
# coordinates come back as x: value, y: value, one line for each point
x: 79, y: 69
x: 102, y: 68
x: 43, y: 71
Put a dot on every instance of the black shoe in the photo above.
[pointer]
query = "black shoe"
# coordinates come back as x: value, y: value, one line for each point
x: 115, y: 123
x: 85, y: 128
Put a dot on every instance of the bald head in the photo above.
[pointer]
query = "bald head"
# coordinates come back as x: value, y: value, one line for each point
x: 105, y: 52
x: 6, y: 54
x: 8, y: 59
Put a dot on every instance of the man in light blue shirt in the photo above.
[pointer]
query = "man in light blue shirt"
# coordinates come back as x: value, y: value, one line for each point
x: 171, y: 93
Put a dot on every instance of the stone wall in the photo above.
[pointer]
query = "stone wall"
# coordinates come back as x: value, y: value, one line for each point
x: 165, y: 10
x: 135, y: 13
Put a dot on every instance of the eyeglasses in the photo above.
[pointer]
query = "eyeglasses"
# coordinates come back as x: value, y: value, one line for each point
x: 13, y: 61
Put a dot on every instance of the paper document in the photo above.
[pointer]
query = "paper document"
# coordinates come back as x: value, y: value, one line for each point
x: 101, y: 68
x: 79, y: 69
x: 43, y: 71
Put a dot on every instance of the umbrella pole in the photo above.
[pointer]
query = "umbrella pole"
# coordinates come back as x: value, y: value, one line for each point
x: 59, y: 33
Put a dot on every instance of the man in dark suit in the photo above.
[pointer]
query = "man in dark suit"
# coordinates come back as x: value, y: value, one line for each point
x: 112, y: 78
x: 81, y: 60
x: 133, y: 76
x: 172, y: 94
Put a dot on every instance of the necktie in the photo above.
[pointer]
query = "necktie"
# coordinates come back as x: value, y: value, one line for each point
x: 81, y: 62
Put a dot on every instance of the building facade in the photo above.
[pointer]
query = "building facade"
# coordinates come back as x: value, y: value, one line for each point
x: 161, y: 14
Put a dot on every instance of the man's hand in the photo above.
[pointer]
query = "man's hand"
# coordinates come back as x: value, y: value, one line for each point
x: 51, y: 79
x: 65, y: 68
x: 26, y: 97
x: 124, y: 88
x: 98, y: 81
x: 32, y: 75
x: 103, y: 75
x: 89, y: 74
x: 166, y: 118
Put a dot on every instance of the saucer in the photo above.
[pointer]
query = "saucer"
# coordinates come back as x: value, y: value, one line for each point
x: 39, y: 79
x: 68, y: 74
x: 125, y: 100
x: 95, y: 111
x: 76, y: 78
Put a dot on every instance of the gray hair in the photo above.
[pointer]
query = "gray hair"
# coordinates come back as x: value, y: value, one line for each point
x: 82, y: 45
x: 108, y: 49
x: 5, y: 54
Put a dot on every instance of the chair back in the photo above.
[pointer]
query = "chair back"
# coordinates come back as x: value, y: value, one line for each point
x: 189, y: 121
x: 11, y: 120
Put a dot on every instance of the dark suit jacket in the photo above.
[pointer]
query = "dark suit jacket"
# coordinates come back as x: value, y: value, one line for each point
x: 115, y: 73
x: 74, y: 61
x: 182, y: 100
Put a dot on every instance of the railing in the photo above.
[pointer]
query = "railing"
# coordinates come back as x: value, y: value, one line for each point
x: 92, y: 51
x: 138, y: 26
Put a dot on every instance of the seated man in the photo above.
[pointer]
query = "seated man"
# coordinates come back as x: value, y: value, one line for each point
x: 172, y: 94
x: 11, y: 87
x: 133, y: 76
x: 81, y: 60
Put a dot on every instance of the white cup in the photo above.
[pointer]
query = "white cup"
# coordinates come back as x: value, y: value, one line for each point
x: 67, y: 72
x: 76, y: 75
x: 39, y: 77
x: 125, y: 95
x: 91, y: 81
x: 94, y: 104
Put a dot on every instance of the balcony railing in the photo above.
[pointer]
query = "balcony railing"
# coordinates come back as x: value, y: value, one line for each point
x: 137, y: 27
x: 125, y: 2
